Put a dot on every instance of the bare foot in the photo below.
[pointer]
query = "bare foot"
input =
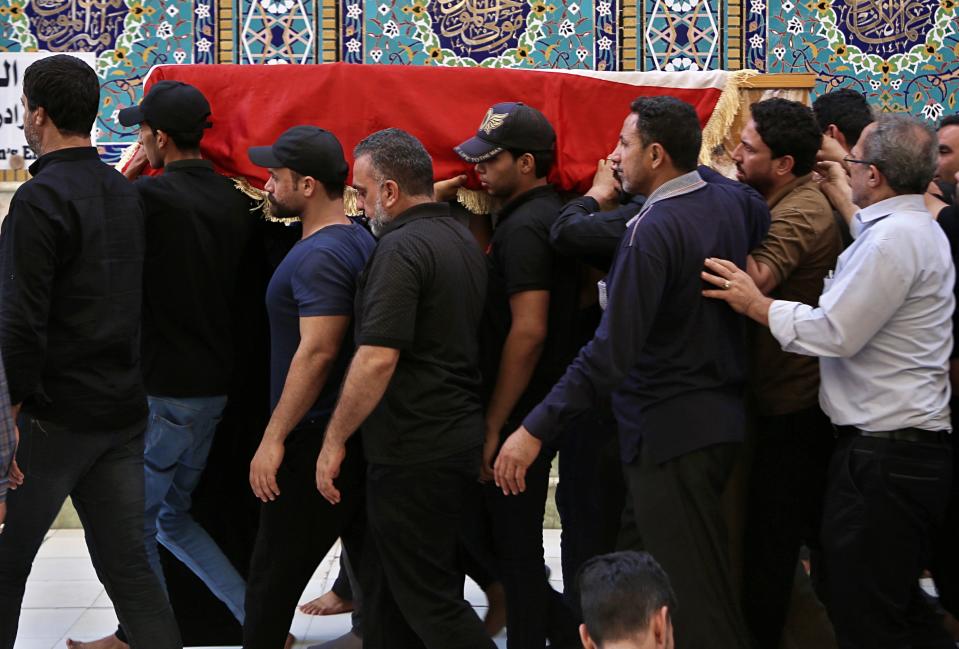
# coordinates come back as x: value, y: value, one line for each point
x: 109, y: 642
x: 327, y: 604
x: 495, y: 618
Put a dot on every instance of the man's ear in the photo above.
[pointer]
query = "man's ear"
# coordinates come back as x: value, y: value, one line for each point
x: 309, y: 186
x: 661, y: 627
x: 657, y: 154
x: 584, y: 637
x: 833, y: 131
x: 390, y: 193
x: 784, y: 164
x: 527, y: 163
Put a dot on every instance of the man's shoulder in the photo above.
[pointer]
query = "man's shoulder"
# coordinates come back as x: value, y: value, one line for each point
x: 808, y: 201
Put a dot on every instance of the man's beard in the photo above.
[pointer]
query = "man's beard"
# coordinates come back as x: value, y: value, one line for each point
x: 32, y: 140
x: 378, y: 218
x: 280, y: 210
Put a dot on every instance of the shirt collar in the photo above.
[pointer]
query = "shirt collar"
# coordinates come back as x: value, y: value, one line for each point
x: 421, y: 211
x: 67, y: 155
x: 787, y: 189
x: 902, y: 203
x: 192, y: 163
x: 688, y: 182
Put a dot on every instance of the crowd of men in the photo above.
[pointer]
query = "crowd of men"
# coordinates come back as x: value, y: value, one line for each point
x: 670, y: 334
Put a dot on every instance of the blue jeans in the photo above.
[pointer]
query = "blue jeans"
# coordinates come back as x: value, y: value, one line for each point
x: 178, y: 439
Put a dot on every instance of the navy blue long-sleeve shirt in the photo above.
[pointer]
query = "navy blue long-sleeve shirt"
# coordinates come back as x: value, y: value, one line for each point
x: 674, y: 361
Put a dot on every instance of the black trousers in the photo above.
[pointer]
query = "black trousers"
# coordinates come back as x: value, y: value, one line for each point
x: 534, y: 610
x: 945, y: 562
x: 412, y: 585
x: 296, y: 531
x: 677, y: 516
x: 883, y: 502
x: 103, y: 474
x: 590, y: 496
x: 787, y: 485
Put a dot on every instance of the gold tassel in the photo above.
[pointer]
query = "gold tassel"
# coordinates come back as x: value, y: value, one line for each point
x: 126, y: 156
x: 349, y: 202
x: 262, y: 199
x: 475, y: 201
x: 723, y: 114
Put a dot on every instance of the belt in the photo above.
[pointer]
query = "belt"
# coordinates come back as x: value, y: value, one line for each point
x: 899, y: 435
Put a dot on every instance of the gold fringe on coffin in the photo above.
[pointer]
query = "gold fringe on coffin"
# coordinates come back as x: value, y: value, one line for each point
x: 723, y: 114
x: 477, y: 202
x: 242, y: 184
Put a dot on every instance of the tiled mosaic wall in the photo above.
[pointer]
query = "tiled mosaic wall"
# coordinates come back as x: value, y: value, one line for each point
x: 903, y: 53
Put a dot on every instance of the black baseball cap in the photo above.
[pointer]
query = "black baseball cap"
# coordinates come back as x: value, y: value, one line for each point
x: 307, y: 150
x: 509, y: 125
x: 171, y: 106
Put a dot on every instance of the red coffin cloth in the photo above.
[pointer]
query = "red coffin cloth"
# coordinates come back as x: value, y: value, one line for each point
x: 441, y: 106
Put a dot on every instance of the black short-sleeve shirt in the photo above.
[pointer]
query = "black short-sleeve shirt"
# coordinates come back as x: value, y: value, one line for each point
x: 521, y: 258
x: 422, y: 293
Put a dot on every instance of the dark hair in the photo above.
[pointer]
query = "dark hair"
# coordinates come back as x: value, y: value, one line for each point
x: 845, y: 108
x: 543, y: 160
x: 398, y: 156
x: 183, y: 141
x: 67, y: 88
x: 789, y: 128
x: 949, y: 120
x: 905, y: 150
x: 333, y: 189
x: 673, y: 124
x: 620, y: 592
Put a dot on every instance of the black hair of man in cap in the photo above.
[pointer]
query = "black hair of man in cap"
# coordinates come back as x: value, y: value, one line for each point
x: 172, y: 118
x: 307, y: 155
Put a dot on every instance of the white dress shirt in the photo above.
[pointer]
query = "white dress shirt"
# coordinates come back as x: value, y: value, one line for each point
x: 883, y: 327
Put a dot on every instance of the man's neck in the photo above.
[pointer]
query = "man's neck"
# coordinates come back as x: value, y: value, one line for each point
x: 661, y: 179
x: 779, y: 182
x: 59, y: 142
x: 317, y: 216
x: 176, y: 155
x: 524, y: 187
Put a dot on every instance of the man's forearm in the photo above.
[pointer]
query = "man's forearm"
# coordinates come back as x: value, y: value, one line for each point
x: 521, y: 353
x: 304, y: 383
x: 366, y: 382
x: 758, y: 310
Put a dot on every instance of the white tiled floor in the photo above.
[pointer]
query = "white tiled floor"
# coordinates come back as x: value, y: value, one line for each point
x: 65, y: 600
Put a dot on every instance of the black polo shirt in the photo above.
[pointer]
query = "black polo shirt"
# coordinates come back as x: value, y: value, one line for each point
x: 422, y: 293
x: 520, y: 259
x: 71, y: 254
x: 198, y: 227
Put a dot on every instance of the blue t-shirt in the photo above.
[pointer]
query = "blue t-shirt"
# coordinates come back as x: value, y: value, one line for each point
x: 316, y: 278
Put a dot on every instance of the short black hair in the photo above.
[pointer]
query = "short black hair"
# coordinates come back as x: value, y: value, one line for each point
x: 398, y: 156
x: 949, y: 120
x: 847, y: 109
x: 183, y: 141
x: 333, y: 189
x: 620, y: 593
x: 67, y: 88
x: 789, y: 128
x: 673, y: 124
x: 543, y: 160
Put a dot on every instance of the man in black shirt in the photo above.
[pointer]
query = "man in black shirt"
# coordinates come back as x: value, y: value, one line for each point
x: 197, y: 228
x: 72, y: 251
x: 413, y: 386
x: 525, y: 343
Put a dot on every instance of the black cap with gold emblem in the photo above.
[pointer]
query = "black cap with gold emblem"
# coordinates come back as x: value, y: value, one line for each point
x: 510, y: 125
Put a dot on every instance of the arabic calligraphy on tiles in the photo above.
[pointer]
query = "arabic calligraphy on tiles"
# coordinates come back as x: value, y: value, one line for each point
x: 479, y: 29
x: 885, y: 27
